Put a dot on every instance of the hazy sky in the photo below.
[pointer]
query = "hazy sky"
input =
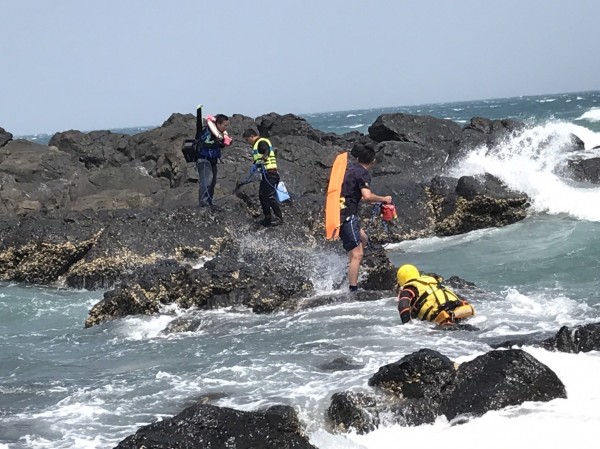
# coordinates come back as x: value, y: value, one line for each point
x: 78, y: 64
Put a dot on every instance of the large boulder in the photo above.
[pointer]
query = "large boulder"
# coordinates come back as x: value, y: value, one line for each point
x: 96, y: 148
x: 424, y: 385
x: 5, y: 137
x: 353, y: 411
x: 500, y: 379
x: 423, y: 130
x: 423, y: 374
x: 207, y: 426
x: 36, y: 178
x: 587, y: 170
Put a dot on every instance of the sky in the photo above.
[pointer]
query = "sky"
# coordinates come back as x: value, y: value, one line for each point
x: 76, y: 64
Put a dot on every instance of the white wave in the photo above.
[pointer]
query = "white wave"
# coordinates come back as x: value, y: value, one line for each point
x: 593, y: 115
x: 521, y: 313
x: 546, y: 100
x: 435, y: 244
x: 510, y: 427
x: 528, y: 162
x: 353, y: 126
x: 138, y: 328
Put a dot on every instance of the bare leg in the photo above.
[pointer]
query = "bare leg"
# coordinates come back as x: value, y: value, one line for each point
x: 364, y: 238
x: 354, y: 259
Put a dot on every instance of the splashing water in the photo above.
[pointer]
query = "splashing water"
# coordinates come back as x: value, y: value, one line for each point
x: 533, y: 162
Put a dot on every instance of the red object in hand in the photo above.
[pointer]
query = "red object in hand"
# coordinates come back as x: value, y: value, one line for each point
x: 388, y: 212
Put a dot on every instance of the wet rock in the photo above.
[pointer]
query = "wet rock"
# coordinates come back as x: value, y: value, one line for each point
x: 353, y: 411
x: 482, y: 131
x: 478, y: 204
x: 424, y: 385
x: 423, y: 374
x: 585, y: 170
x: 500, y: 379
x: 207, y: 426
x: 583, y: 338
x: 340, y: 364
x: 578, y: 339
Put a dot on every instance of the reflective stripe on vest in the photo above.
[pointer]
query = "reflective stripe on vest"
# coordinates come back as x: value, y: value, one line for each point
x: 271, y: 162
x: 432, y: 298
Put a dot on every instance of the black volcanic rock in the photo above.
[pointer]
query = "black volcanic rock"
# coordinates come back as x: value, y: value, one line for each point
x: 584, y: 338
x: 5, y: 137
x: 205, y: 426
x: 499, y: 379
x: 423, y: 385
x: 585, y: 169
x: 114, y: 211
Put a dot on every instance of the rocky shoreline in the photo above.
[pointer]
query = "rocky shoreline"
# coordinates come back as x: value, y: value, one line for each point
x: 119, y: 213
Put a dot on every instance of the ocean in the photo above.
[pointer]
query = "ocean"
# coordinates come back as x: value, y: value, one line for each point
x: 63, y: 386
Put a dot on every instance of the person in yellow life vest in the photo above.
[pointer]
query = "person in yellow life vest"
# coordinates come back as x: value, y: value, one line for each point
x: 423, y: 297
x: 265, y: 161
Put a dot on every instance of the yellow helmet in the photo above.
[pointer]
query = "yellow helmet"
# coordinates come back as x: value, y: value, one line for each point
x: 407, y: 273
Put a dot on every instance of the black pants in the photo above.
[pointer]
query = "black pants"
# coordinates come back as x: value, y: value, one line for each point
x: 266, y: 194
x: 207, y: 180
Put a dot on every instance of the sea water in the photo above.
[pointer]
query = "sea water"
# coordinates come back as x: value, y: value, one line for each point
x: 63, y: 386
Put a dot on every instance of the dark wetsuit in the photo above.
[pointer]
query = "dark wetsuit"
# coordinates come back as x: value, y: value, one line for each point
x: 266, y: 190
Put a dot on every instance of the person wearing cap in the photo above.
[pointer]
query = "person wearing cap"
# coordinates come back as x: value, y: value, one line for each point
x: 422, y: 296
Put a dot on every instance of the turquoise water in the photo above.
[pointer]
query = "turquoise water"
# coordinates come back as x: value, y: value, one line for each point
x: 63, y: 386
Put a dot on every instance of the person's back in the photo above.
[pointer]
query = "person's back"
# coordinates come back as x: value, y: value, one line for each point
x: 424, y: 297
x: 356, y: 178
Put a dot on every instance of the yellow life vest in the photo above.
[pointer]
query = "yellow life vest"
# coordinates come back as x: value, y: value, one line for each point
x: 270, y: 163
x: 437, y: 303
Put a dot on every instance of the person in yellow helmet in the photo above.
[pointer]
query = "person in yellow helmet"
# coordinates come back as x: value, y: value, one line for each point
x: 422, y: 296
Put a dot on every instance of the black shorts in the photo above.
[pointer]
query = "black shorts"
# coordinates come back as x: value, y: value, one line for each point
x: 350, y: 233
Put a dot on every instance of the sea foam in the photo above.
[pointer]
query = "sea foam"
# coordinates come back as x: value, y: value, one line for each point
x: 533, y: 162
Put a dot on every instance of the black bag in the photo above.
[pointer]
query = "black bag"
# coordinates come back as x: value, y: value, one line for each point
x: 189, y: 150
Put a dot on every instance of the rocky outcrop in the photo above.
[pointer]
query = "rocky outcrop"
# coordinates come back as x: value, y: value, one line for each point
x: 424, y: 385
x: 102, y: 210
x: 5, y: 137
x: 583, y: 338
x: 207, y: 426
x: 586, y: 170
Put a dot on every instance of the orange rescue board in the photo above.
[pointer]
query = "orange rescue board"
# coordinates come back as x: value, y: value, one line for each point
x: 332, y: 202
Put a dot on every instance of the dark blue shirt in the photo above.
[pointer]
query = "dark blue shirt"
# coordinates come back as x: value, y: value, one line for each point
x: 208, y: 145
x: 357, y: 177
